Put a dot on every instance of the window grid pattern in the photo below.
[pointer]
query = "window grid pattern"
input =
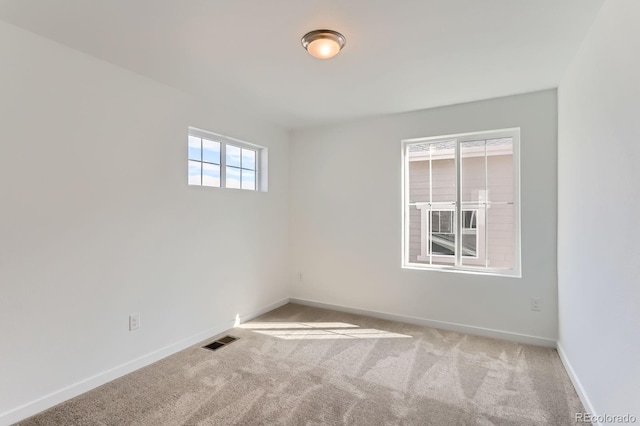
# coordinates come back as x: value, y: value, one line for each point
x: 221, y: 164
x: 240, y: 167
x: 460, y: 202
x: 204, y: 161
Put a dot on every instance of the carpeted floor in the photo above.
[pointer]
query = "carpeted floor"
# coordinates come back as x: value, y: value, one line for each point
x: 299, y: 365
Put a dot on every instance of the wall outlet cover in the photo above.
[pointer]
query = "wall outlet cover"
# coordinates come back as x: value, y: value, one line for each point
x: 134, y: 322
x: 536, y: 304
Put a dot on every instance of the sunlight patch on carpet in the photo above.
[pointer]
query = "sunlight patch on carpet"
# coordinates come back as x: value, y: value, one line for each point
x: 294, y: 325
x: 319, y: 330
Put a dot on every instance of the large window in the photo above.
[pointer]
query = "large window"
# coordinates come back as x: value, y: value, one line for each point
x: 220, y: 161
x: 461, y: 202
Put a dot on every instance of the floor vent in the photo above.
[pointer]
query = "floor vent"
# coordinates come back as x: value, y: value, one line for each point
x: 223, y: 341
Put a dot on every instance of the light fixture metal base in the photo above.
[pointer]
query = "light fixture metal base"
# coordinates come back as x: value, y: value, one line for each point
x: 330, y: 35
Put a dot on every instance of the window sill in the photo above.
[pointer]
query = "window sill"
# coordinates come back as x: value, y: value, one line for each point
x: 508, y: 273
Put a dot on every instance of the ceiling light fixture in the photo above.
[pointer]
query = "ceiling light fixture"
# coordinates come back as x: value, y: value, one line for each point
x: 323, y: 44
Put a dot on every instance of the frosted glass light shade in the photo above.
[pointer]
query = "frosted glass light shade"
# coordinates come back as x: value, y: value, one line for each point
x: 323, y: 48
x: 323, y: 44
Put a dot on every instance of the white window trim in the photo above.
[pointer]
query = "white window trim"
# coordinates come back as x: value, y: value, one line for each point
x: 513, y: 133
x: 261, y: 158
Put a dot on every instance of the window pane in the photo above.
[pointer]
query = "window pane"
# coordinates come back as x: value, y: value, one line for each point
x: 446, y: 221
x: 233, y: 177
x: 415, y: 236
x: 210, y: 175
x: 432, y: 172
x: 469, y: 237
x: 194, y: 172
x: 233, y: 156
x: 210, y: 151
x: 435, y: 222
x: 248, y: 179
x: 443, y: 173
x: 194, y: 148
x: 469, y: 220
x: 473, y: 173
x: 442, y: 237
x: 500, y: 236
x: 472, y: 238
x: 469, y: 243
x: 248, y: 159
x: 419, y: 186
x: 500, y: 170
x: 443, y: 244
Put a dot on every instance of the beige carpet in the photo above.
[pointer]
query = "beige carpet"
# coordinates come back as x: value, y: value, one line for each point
x: 287, y: 368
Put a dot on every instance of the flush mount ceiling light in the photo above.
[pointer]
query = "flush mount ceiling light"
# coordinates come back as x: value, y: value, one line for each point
x: 323, y: 44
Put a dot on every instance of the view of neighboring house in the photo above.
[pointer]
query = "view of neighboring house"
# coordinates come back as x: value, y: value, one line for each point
x: 487, y: 226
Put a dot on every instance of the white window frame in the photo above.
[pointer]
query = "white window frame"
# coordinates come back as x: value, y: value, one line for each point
x: 457, y: 207
x: 260, y: 165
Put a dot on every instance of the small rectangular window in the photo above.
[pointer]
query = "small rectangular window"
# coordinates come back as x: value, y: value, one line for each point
x: 461, y: 202
x: 220, y: 161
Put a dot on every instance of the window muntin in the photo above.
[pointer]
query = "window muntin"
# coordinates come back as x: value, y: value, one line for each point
x: 460, y: 205
x: 218, y: 161
x: 470, y: 233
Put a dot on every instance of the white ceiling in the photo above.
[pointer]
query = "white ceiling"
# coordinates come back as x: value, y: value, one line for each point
x: 400, y: 55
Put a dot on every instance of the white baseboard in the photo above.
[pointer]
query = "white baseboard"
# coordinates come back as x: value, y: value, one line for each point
x: 461, y: 328
x: 262, y: 311
x: 31, y: 408
x: 582, y: 394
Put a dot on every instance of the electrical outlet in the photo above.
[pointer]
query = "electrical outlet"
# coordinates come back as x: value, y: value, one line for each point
x: 536, y: 304
x: 134, y: 322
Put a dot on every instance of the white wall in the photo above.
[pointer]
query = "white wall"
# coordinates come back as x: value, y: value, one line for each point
x: 97, y: 220
x: 346, y: 219
x: 599, y: 209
